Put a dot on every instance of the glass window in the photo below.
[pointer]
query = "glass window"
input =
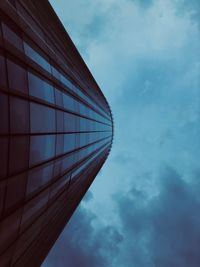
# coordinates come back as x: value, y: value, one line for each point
x: 59, y: 144
x: 34, y: 208
x: 70, y: 122
x: 3, y: 80
x: 55, y: 73
x: 41, y: 148
x: 59, y: 186
x: 19, y: 152
x: 68, y: 161
x: 19, y: 115
x: 12, y: 37
x: 57, y: 168
x: 16, y: 186
x: 83, y: 109
x: 9, y: 230
x: 35, y: 56
x: 59, y: 121
x: 40, y: 89
x: 66, y: 81
x: 69, y: 142
x: 17, y: 77
x: 3, y: 156
x: 83, y: 125
x: 69, y: 102
x: 59, y: 97
x: 38, y: 177
x: 42, y: 119
x: 2, y: 194
x: 3, y: 113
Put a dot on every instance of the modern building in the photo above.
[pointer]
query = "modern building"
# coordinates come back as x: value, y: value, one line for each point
x: 56, y: 130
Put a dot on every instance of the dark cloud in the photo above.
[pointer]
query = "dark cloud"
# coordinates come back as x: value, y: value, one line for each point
x: 165, y: 231
x: 81, y: 245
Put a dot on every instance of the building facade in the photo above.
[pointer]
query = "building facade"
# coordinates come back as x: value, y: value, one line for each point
x: 56, y: 130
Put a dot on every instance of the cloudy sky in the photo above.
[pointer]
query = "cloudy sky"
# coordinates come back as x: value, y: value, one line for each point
x: 144, y: 207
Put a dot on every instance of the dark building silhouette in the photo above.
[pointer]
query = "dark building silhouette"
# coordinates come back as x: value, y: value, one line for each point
x: 55, y: 130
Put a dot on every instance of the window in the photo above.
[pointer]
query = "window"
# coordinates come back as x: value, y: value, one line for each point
x: 2, y: 194
x: 70, y: 122
x: 59, y: 186
x: 19, y: 115
x: 41, y: 148
x: 3, y: 80
x: 69, y: 102
x: 68, y: 161
x: 33, y: 209
x: 3, y: 113
x: 19, y: 152
x: 59, y: 97
x: 55, y: 73
x: 40, y: 89
x: 3, y: 156
x: 9, y: 230
x: 59, y: 121
x: 17, y: 77
x: 57, y: 168
x: 69, y: 142
x: 42, y: 119
x: 12, y: 37
x: 16, y: 186
x: 35, y: 56
x: 39, y: 177
x: 59, y: 144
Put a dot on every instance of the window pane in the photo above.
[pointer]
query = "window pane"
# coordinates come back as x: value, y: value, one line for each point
x: 19, y: 115
x: 69, y: 102
x: 41, y: 148
x: 3, y: 113
x: 42, y: 119
x: 38, y: 177
x: 19, y: 152
x: 59, y: 97
x: 3, y: 156
x: 3, y: 80
x: 35, y: 56
x: 70, y: 122
x: 69, y: 142
x: 59, y: 144
x: 33, y: 209
x: 16, y: 186
x: 2, y: 194
x: 17, y: 77
x: 59, y: 121
x: 9, y: 230
x: 39, y: 88
x: 12, y: 37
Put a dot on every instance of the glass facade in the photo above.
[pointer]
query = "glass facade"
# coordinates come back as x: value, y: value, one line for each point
x: 56, y: 130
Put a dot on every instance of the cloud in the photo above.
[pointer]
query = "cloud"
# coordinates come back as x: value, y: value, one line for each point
x: 83, y: 245
x: 145, y: 57
x: 165, y: 230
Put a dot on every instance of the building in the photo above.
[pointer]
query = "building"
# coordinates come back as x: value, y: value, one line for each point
x: 55, y: 130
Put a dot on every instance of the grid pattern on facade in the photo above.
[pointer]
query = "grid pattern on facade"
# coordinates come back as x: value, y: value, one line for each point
x: 55, y: 131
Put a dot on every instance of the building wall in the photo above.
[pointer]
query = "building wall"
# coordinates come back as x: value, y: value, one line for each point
x: 55, y: 130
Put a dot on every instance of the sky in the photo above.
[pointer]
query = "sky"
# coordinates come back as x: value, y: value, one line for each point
x: 143, y: 207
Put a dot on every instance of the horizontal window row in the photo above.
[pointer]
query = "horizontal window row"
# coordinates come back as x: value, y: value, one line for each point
x: 37, y: 149
x: 27, y: 184
x: 41, y: 89
x: 86, y: 164
x: 42, y: 118
x: 23, y: 46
